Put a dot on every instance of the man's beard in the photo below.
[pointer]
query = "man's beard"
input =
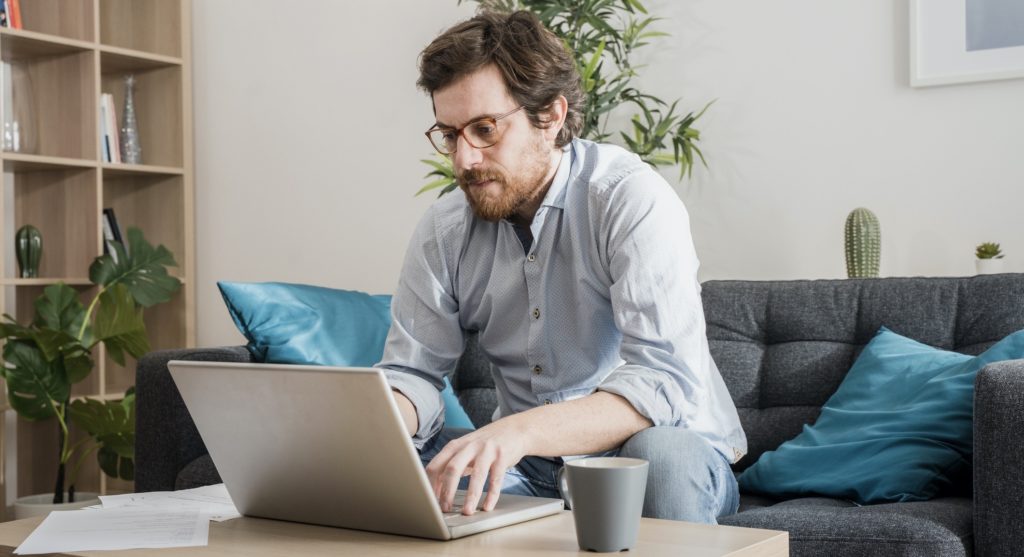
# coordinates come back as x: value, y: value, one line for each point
x: 516, y: 191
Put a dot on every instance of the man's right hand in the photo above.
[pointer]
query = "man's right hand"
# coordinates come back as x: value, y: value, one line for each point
x: 408, y: 412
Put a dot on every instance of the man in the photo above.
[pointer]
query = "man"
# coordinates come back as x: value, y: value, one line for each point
x: 574, y: 263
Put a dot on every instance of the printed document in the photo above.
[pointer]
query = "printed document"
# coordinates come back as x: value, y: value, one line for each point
x: 117, y: 528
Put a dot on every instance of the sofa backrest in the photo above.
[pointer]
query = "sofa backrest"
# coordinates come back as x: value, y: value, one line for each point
x: 783, y: 347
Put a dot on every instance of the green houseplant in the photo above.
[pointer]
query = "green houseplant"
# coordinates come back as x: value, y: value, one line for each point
x: 44, y: 358
x: 603, y: 35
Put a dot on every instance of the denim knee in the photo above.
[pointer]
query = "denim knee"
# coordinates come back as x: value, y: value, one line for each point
x: 687, y: 478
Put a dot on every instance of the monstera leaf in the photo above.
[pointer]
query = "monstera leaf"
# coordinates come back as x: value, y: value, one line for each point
x: 142, y: 269
x: 112, y: 425
x: 119, y: 324
x: 59, y: 309
x: 34, y: 385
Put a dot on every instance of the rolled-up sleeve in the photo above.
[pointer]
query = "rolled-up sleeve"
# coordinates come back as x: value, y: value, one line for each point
x: 425, y: 339
x: 655, y: 299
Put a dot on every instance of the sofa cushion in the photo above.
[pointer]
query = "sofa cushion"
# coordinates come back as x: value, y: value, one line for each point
x: 783, y: 347
x: 897, y: 429
x: 823, y: 526
x: 198, y: 473
x: 312, y: 325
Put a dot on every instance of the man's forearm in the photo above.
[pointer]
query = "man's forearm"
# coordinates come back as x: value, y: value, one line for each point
x: 408, y: 412
x: 598, y: 422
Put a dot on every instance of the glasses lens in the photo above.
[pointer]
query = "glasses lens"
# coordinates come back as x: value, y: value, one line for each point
x: 483, y: 133
x: 444, y: 140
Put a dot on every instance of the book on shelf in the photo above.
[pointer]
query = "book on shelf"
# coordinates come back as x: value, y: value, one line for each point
x: 111, y: 233
x: 10, y: 14
x: 109, y: 139
x: 15, y: 13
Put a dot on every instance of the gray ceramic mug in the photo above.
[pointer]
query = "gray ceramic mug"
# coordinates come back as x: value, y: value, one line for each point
x: 607, y: 498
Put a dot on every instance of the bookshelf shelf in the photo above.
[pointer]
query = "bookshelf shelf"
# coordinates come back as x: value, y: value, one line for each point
x: 117, y: 59
x: 121, y: 169
x: 24, y: 162
x: 20, y: 43
x: 67, y: 55
x: 70, y: 281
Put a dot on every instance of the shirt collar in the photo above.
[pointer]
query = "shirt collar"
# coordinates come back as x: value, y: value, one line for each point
x: 555, y: 197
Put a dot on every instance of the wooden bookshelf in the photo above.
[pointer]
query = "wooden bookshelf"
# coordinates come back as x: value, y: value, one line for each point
x: 71, y: 51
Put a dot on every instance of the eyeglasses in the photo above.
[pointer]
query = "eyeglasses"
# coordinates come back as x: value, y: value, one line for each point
x: 480, y: 133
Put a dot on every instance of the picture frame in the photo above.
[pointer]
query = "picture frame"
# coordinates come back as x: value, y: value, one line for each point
x: 940, y: 33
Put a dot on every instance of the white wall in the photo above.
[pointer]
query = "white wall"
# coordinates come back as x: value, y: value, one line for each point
x: 309, y: 130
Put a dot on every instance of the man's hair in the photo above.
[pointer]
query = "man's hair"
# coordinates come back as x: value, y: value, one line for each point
x: 535, y: 64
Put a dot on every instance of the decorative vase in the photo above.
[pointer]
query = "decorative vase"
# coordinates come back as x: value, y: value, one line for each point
x: 19, y: 114
x: 131, y: 150
x: 989, y: 266
x: 863, y: 244
x: 41, y: 505
x: 29, y: 250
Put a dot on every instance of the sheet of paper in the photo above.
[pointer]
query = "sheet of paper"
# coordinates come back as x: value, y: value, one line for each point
x: 119, y: 528
x: 212, y: 500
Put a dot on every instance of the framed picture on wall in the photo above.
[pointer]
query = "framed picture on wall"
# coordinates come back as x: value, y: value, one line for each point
x: 959, y: 41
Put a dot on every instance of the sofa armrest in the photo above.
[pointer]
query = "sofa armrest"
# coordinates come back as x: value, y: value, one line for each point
x: 998, y: 457
x: 166, y: 439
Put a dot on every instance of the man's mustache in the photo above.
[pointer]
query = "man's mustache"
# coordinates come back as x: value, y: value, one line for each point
x: 478, y: 175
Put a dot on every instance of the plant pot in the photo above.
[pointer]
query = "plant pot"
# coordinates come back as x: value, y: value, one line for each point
x: 41, y: 505
x: 989, y: 266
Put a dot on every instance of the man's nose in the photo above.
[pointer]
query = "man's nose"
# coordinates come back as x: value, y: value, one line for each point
x: 466, y: 156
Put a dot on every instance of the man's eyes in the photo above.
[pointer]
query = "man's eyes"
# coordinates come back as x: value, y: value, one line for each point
x: 484, y: 128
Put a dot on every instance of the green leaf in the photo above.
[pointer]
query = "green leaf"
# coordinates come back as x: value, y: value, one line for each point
x: 588, y: 71
x: 59, y: 309
x: 112, y: 425
x: 119, y: 324
x: 436, y: 184
x: 143, y: 270
x: 34, y: 385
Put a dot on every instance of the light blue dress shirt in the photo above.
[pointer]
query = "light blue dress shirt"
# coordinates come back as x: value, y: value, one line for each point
x: 606, y: 298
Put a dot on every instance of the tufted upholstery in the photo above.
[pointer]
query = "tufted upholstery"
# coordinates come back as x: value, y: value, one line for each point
x: 783, y: 347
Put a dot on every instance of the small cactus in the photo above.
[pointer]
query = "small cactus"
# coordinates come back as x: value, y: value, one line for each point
x: 988, y: 250
x: 863, y: 244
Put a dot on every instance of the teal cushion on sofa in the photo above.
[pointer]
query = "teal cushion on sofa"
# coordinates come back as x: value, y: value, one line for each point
x: 899, y: 428
x: 312, y: 325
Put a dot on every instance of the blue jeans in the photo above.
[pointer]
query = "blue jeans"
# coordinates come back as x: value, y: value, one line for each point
x: 687, y: 479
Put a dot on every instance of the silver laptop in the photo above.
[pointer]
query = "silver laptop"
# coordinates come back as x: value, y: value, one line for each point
x: 324, y: 445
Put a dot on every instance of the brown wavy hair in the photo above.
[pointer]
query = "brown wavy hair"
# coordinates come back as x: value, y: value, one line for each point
x: 536, y: 64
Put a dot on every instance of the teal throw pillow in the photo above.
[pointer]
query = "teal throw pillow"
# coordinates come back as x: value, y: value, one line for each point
x: 312, y: 325
x: 899, y: 428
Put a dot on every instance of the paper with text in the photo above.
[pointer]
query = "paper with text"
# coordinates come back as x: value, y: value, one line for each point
x: 212, y: 500
x: 117, y: 528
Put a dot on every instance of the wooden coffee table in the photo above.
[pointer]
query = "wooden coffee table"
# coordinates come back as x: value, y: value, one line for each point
x: 553, y: 535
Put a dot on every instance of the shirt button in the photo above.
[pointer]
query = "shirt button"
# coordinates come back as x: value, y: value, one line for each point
x: 536, y: 313
x: 537, y: 369
x: 531, y: 258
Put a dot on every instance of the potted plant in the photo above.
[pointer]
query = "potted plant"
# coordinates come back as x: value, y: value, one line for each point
x: 603, y: 36
x: 45, y: 357
x: 989, y: 258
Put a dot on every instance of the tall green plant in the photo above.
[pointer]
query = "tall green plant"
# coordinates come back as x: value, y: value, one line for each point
x: 603, y: 35
x: 43, y: 359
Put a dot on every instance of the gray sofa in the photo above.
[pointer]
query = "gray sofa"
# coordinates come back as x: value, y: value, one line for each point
x: 783, y: 348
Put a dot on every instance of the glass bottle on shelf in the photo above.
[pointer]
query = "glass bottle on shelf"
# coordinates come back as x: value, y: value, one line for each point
x: 131, y: 150
x: 18, y: 104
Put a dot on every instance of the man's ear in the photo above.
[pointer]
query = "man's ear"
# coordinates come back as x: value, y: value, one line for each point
x: 554, y: 118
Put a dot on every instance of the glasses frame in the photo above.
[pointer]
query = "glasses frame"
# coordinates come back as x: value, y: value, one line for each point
x: 460, y: 131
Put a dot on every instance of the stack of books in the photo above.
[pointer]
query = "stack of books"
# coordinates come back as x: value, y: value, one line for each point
x: 10, y: 14
x: 109, y: 137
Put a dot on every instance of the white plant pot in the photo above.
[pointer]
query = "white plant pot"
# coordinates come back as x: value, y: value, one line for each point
x: 989, y: 266
x: 41, y: 505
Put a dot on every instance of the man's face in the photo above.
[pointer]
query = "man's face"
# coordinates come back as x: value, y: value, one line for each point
x: 502, y: 179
